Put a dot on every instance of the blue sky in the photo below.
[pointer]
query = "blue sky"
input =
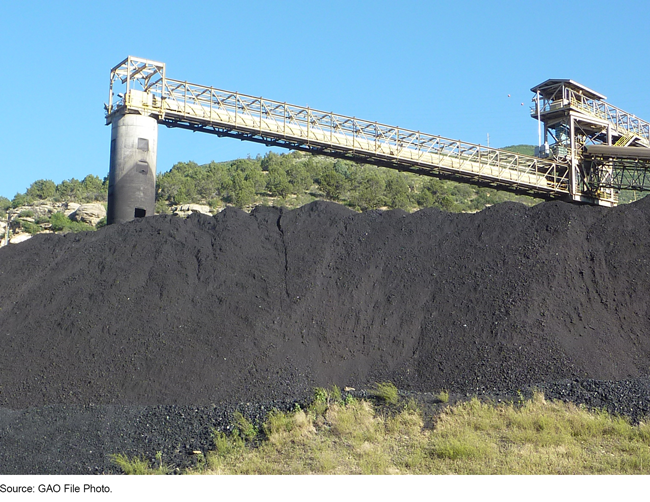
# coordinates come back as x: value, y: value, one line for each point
x: 444, y: 68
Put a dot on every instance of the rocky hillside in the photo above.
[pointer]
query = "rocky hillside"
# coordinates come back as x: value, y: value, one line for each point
x: 46, y: 217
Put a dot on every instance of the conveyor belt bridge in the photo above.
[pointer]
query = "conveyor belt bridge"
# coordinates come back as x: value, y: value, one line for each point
x: 590, y: 149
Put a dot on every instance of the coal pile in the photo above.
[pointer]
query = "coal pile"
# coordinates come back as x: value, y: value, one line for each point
x: 263, y: 307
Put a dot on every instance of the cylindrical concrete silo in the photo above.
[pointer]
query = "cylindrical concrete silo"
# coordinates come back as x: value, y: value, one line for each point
x: 132, y: 172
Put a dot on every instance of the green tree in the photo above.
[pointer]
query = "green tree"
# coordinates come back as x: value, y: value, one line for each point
x: 21, y: 199
x: 447, y: 203
x: 252, y: 171
x: 299, y: 177
x: 347, y: 169
x: 167, y: 184
x: 369, y: 186
x: 70, y: 189
x: 242, y: 191
x: 435, y: 193
x: 184, y: 194
x: 216, y: 182
x: 93, y: 189
x: 277, y: 181
x: 332, y: 183
x: 397, y: 191
x: 426, y: 199
x: 271, y: 158
x: 41, y: 189
x: 521, y: 149
x: 179, y: 185
x: 313, y: 167
x: 4, y: 205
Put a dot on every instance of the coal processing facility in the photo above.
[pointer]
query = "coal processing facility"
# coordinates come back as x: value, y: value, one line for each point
x: 588, y: 150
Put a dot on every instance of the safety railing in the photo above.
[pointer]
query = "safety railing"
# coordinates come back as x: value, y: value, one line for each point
x: 624, y: 122
x: 174, y: 100
x: 182, y: 104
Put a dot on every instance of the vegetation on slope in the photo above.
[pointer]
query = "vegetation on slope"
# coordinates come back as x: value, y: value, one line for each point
x: 350, y: 436
x: 90, y: 189
x: 279, y: 177
x: 295, y: 178
x: 26, y: 218
x: 290, y: 180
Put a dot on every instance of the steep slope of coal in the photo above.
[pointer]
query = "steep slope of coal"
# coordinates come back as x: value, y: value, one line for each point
x: 239, y: 307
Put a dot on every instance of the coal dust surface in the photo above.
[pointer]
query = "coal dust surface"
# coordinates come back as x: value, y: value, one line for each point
x: 153, y: 331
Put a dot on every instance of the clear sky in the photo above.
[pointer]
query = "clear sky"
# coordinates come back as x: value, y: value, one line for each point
x: 445, y: 68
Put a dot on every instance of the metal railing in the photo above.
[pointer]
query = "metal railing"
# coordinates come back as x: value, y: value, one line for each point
x: 215, y: 110
x: 624, y: 123
x: 182, y: 104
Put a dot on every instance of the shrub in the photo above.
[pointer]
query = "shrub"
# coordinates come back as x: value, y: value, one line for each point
x: 162, y: 207
x: 225, y: 446
x: 61, y: 223
x: 320, y: 395
x: 323, y: 398
x: 319, y: 402
x: 21, y: 200
x: 385, y: 391
x: 78, y: 226
x: 460, y: 448
x: 246, y: 428
x: 335, y: 394
x: 475, y: 437
x: 29, y: 227
x: 281, y: 428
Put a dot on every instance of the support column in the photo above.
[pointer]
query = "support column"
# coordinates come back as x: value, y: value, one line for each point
x: 132, y: 172
x: 573, y: 176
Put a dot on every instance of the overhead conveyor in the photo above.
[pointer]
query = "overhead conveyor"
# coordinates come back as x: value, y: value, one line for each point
x: 142, y: 95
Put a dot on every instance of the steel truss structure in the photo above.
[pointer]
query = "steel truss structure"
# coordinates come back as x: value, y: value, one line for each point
x: 555, y: 95
x: 606, y: 148
x: 141, y: 86
x: 628, y: 168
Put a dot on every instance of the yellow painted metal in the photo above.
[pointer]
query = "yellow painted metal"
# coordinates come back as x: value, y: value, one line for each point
x: 178, y: 103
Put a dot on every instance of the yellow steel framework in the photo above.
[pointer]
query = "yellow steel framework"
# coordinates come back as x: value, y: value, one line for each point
x: 606, y: 147
x: 145, y: 89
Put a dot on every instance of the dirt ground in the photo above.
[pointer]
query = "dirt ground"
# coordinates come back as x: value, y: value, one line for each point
x: 162, y: 316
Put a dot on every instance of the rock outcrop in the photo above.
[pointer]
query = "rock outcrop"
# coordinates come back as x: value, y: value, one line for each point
x: 89, y: 213
x: 185, y: 210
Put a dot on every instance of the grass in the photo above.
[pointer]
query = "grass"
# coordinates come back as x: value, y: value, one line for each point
x: 349, y: 436
x: 139, y: 465
x: 443, y: 396
x: 385, y: 391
